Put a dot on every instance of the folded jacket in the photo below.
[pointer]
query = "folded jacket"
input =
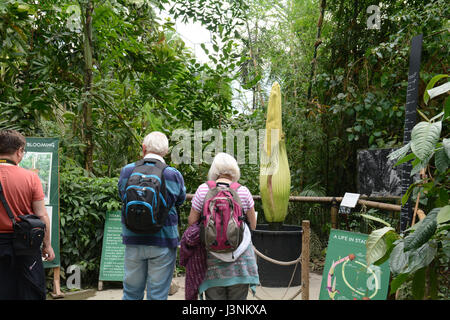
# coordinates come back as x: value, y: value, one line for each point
x: 193, y: 258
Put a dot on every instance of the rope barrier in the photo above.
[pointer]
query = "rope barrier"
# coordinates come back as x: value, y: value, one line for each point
x: 281, y: 263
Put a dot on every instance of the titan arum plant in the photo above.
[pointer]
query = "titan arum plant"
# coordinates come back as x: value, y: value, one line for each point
x: 275, y: 177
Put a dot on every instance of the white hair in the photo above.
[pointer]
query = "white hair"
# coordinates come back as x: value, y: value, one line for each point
x: 224, y: 164
x: 156, y: 142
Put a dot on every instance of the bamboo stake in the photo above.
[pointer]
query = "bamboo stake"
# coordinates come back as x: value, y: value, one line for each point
x: 415, y: 210
x: 423, y: 175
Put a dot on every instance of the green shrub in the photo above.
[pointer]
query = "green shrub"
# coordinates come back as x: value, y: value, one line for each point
x: 84, y: 202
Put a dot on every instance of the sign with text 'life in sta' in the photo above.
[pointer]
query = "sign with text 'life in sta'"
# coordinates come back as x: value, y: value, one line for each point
x: 111, y: 265
x: 346, y: 275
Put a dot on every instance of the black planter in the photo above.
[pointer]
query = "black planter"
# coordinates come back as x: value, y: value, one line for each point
x: 285, y: 245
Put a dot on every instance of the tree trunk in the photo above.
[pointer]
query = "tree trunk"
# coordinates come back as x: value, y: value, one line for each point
x: 291, y: 51
x: 87, y: 108
x: 323, y: 4
x: 253, y: 56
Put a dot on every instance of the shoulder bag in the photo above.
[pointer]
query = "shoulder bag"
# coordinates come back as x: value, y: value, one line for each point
x: 28, y: 232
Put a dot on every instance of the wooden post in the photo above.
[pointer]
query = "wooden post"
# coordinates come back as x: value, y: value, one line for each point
x: 305, y: 259
x: 334, y: 213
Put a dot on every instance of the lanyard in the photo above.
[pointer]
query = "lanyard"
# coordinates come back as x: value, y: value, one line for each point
x: 7, y: 161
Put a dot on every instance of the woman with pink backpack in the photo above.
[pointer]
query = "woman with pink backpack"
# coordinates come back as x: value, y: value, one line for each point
x: 221, y: 217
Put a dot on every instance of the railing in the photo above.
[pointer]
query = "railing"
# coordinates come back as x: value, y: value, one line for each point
x: 336, y: 200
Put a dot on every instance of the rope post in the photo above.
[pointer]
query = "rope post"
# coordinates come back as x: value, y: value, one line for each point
x: 305, y: 259
x: 334, y: 213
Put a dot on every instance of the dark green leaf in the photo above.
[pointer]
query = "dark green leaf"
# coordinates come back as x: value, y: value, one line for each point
x: 444, y: 214
x: 399, y: 260
x: 418, y: 284
x: 423, y: 232
x: 397, y: 282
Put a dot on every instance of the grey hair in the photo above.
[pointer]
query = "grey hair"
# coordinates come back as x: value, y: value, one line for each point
x: 224, y: 164
x: 156, y: 142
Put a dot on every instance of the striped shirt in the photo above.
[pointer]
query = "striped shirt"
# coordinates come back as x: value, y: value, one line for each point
x: 168, y: 236
x: 243, y: 192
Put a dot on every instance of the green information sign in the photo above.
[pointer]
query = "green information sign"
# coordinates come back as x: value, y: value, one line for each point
x: 111, y: 265
x: 42, y: 157
x: 346, y: 275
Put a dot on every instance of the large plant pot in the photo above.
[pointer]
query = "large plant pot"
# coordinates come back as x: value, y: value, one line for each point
x: 284, y: 245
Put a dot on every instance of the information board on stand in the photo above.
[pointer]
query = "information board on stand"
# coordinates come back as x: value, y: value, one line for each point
x: 41, y: 157
x: 111, y: 265
x: 346, y: 275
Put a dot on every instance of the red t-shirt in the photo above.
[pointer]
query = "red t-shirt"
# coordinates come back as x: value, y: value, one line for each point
x: 21, y: 187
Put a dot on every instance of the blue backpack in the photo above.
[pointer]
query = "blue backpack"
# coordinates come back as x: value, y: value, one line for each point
x: 145, y: 206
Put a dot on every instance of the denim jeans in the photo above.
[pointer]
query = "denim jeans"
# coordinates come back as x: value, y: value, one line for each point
x: 148, y: 266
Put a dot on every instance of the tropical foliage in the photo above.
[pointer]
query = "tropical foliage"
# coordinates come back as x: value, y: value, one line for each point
x: 422, y: 256
x: 101, y: 74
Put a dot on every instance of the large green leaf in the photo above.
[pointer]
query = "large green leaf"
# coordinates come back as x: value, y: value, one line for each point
x: 399, y: 153
x: 418, y: 284
x: 419, y: 165
x: 446, y: 109
x: 399, y: 259
x: 367, y: 216
x: 421, y: 257
x: 424, y: 231
x: 441, y: 160
x: 377, y: 244
x: 411, y: 261
x: 397, y: 282
x: 406, y: 158
x: 446, y: 144
x: 424, y: 137
x: 443, y: 215
x: 408, y: 192
x: 426, y: 96
x: 446, y: 246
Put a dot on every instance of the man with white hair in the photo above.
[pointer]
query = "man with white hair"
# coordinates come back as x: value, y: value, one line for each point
x: 149, y: 259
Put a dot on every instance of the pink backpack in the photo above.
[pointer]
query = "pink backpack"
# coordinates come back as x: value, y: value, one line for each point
x: 222, y: 220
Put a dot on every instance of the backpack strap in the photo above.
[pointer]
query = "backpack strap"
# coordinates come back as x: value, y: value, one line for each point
x: 235, y: 186
x: 139, y: 163
x: 211, y: 184
x: 5, y: 204
x: 159, y: 164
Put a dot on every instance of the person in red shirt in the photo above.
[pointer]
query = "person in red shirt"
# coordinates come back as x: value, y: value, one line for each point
x: 21, y: 277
